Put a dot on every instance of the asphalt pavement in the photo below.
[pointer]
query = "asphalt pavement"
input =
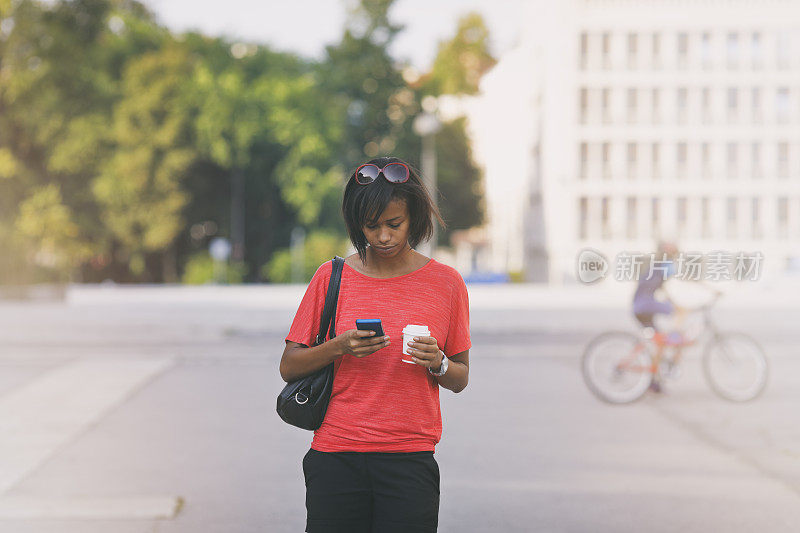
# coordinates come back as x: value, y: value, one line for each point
x: 157, y: 414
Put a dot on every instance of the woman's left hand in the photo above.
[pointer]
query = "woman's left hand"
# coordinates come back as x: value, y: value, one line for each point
x: 425, y: 352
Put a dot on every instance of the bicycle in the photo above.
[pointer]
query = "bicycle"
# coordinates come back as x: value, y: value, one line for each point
x: 617, y: 366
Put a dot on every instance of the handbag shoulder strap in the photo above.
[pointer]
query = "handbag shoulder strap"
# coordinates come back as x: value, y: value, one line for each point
x: 328, y: 322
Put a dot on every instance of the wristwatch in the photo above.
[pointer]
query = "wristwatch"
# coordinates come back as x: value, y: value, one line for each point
x: 443, y: 368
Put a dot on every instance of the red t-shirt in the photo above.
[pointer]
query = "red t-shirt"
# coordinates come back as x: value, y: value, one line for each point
x: 378, y: 402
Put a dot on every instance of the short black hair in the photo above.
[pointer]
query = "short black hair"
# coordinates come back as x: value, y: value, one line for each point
x: 363, y: 205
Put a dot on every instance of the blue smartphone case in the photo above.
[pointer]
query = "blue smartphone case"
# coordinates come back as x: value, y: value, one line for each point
x: 373, y: 324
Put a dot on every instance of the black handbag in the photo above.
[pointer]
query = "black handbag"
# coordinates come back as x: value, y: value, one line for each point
x: 303, y: 402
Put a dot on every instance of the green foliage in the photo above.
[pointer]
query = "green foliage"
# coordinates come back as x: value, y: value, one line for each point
x: 49, y: 230
x: 320, y: 246
x: 457, y: 69
x: 459, y: 180
x: 461, y: 61
x: 139, y: 188
x: 367, y: 89
x: 200, y: 270
x: 8, y: 164
x: 117, y: 137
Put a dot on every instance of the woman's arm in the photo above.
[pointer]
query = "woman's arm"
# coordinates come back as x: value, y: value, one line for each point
x: 298, y: 360
x: 457, y: 375
x: 425, y: 352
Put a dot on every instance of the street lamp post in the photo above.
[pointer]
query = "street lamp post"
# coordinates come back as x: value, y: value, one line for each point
x: 297, y: 247
x: 426, y: 125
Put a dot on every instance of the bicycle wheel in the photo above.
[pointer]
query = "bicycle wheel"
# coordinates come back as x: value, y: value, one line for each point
x: 735, y: 367
x: 616, y: 367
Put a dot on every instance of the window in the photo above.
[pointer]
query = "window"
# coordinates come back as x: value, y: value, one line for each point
x: 756, y: 218
x: 756, y: 52
x: 606, y: 105
x: 782, y: 43
x: 731, y: 218
x: 605, y: 44
x: 755, y: 104
x: 682, y: 104
x: 584, y: 104
x: 705, y: 218
x: 655, y: 96
x: 733, y: 160
x: 656, y: 161
x: 631, y: 160
x: 606, y: 160
x: 783, y: 159
x: 755, y: 160
x: 630, y: 219
x: 706, y: 104
x: 656, y: 43
x: 783, y: 217
x: 681, y: 208
x: 705, y: 50
x: 680, y: 156
x: 631, y: 50
x: 705, y: 156
x: 733, y: 104
x: 782, y: 105
x: 631, y: 105
x: 604, y: 218
x: 584, y: 160
x: 584, y: 57
x: 683, y: 49
x: 655, y: 216
x: 584, y: 218
x: 733, y: 50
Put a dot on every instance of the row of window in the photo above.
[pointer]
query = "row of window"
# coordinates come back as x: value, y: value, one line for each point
x: 750, y: 211
x: 740, y: 159
x: 604, y: 104
x: 704, y: 49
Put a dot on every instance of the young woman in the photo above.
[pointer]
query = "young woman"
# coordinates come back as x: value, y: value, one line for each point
x: 370, y: 467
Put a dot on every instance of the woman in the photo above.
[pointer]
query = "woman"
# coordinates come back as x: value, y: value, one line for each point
x: 646, y: 305
x: 371, y: 466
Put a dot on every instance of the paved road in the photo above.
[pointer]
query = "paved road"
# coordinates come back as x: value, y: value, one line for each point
x: 124, y: 414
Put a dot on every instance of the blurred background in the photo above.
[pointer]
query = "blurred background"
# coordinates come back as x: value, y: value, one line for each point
x: 128, y: 146
x: 171, y: 176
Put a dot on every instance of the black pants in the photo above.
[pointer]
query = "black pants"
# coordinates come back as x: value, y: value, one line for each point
x: 371, y: 492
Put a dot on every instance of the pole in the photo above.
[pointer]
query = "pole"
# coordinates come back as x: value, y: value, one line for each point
x: 237, y: 215
x: 297, y: 252
x: 429, y: 173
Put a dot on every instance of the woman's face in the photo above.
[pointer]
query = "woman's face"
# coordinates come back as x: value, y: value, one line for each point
x: 390, y: 234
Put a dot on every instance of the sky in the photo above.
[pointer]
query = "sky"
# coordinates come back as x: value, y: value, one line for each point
x: 306, y: 26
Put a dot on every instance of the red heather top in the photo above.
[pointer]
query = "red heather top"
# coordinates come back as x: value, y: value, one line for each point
x: 379, y: 403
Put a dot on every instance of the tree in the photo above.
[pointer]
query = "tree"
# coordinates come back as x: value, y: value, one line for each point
x: 367, y: 87
x: 461, y: 61
x: 50, y: 233
x: 140, y: 188
x: 265, y: 125
x: 459, y: 180
x: 457, y: 68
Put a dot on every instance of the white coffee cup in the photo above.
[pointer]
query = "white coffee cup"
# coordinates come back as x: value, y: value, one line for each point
x: 409, y: 332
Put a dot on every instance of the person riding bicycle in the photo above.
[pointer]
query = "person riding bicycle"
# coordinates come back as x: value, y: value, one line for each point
x: 646, y: 304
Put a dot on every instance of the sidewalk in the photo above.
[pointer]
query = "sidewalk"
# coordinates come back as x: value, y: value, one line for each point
x: 609, y: 294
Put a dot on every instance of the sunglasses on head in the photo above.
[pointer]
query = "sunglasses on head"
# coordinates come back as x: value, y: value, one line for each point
x: 393, y: 172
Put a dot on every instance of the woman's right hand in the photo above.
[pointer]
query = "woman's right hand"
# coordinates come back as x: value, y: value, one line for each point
x: 360, y: 342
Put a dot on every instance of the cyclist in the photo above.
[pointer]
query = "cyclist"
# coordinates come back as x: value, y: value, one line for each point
x: 647, y: 304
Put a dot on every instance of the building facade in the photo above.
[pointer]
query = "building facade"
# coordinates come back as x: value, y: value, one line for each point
x: 617, y: 123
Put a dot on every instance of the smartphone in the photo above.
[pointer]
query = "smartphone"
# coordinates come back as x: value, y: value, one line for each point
x: 373, y: 324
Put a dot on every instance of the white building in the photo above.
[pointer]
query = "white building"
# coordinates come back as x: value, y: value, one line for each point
x: 615, y: 123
